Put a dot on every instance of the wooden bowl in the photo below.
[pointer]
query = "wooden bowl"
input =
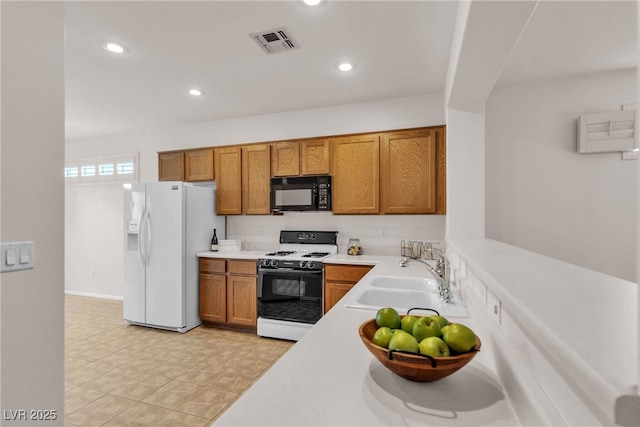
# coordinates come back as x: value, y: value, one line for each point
x: 412, y: 366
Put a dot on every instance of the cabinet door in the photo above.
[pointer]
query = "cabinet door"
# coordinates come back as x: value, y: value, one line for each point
x: 345, y: 273
x: 228, y: 173
x: 213, y: 298
x: 355, y: 164
x: 408, y: 172
x: 242, y: 300
x: 256, y: 173
x: 314, y: 156
x: 171, y: 166
x: 333, y: 292
x: 199, y: 165
x: 285, y: 158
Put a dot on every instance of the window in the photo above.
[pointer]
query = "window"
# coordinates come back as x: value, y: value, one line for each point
x: 125, y: 168
x: 70, y: 171
x: 102, y: 169
x: 105, y: 169
x: 88, y: 170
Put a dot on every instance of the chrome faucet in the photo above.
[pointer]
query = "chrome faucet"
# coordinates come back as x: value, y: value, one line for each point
x: 440, y: 272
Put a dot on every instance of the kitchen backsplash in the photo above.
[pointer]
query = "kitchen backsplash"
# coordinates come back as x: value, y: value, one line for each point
x: 379, y: 234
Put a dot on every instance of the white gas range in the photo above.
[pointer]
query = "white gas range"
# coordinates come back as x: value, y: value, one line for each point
x: 290, y: 283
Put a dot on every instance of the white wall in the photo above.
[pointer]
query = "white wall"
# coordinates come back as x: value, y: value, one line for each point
x: 545, y: 197
x: 32, y: 197
x: 94, y: 212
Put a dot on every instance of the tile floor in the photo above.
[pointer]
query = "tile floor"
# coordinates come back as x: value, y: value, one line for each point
x: 121, y: 375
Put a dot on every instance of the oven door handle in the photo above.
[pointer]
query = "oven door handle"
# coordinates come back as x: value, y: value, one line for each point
x: 289, y: 270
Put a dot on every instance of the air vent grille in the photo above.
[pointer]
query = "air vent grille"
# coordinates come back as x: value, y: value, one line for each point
x: 275, y: 40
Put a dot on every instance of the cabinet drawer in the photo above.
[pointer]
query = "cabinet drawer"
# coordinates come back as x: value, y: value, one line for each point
x: 237, y: 266
x: 345, y: 273
x: 211, y: 265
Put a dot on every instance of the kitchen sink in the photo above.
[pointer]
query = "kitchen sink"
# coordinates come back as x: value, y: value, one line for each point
x: 405, y: 283
x: 403, y: 293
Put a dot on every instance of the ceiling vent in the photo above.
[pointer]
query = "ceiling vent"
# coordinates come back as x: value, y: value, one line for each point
x: 274, y: 41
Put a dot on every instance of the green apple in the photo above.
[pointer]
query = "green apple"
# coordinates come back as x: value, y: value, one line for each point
x: 434, y: 347
x: 426, y: 327
x: 388, y: 317
x: 406, y: 323
x: 458, y: 337
x: 382, y: 336
x: 403, y: 341
x: 442, y: 321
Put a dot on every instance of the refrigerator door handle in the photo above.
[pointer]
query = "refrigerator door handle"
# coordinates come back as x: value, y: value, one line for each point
x: 140, y: 249
x: 147, y: 235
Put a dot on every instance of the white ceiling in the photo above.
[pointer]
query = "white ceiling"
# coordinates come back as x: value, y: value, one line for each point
x: 399, y: 48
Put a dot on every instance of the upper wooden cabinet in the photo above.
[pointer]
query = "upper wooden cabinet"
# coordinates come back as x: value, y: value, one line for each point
x: 198, y: 165
x: 408, y: 172
x: 314, y: 156
x: 308, y: 157
x: 256, y: 172
x: 394, y: 172
x: 228, y: 174
x: 285, y: 158
x: 355, y: 166
x: 171, y: 166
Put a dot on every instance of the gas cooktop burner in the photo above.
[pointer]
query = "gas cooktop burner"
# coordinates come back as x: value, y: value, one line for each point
x: 281, y: 253
x: 315, y: 255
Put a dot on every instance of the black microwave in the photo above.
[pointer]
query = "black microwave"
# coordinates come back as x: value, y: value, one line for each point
x: 301, y: 193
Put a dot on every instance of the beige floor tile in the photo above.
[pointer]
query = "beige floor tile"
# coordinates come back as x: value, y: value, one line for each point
x: 96, y: 352
x: 78, y: 398
x: 88, y: 372
x: 100, y: 411
x: 141, y: 414
x: 173, y: 394
x: 232, y: 381
x: 112, y: 380
x: 208, y: 403
x: 126, y: 375
x: 140, y: 387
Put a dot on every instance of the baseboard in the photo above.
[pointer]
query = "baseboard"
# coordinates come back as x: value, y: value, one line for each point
x: 93, y: 295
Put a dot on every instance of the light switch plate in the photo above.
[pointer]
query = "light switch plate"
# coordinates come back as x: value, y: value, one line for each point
x: 16, y: 256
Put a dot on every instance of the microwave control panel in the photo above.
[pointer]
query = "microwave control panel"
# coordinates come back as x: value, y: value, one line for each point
x: 323, y: 196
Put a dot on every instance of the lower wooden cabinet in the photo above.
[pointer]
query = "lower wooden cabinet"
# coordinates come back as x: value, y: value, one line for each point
x: 228, y: 292
x: 339, y: 279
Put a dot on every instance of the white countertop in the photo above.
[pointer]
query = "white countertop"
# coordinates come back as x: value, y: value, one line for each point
x: 232, y: 254
x: 537, y: 365
x: 330, y: 378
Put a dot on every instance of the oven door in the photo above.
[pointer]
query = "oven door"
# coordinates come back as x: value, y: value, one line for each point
x: 292, y: 295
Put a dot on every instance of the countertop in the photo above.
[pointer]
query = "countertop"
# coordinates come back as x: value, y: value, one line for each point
x: 232, y: 254
x: 330, y: 378
x: 537, y: 365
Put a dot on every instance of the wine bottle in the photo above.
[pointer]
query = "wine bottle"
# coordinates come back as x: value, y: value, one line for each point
x: 214, y: 242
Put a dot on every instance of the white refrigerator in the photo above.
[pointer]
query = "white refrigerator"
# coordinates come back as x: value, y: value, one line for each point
x: 165, y: 225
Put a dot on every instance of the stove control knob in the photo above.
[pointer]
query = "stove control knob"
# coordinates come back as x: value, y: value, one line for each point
x: 273, y: 262
x: 310, y: 264
x: 303, y: 264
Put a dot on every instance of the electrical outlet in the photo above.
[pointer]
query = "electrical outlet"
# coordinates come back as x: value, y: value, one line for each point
x: 495, y: 306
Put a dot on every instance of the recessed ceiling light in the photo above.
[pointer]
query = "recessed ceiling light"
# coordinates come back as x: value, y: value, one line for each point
x: 312, y: 2
x: 345, y: 66
x: 196, y: 92
x: 114, y: 47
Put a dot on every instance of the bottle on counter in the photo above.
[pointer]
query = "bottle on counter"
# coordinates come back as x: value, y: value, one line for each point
x: 214, y: 242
